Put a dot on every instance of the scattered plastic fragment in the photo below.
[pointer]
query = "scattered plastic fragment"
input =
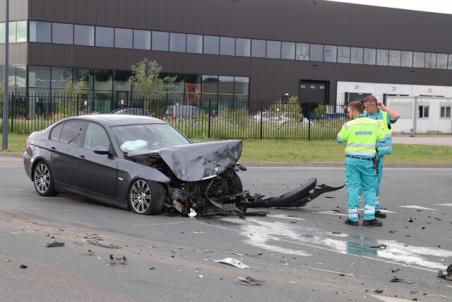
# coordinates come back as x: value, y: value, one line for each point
x: 233, y: 262
x: 118, y: 260
x: 250, y: 281
x: 55, y: 244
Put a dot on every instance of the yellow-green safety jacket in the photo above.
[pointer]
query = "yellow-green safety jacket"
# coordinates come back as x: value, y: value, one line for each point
x: 361, y: 136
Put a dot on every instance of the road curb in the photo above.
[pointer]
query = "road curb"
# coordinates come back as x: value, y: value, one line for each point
x: 10, y: 154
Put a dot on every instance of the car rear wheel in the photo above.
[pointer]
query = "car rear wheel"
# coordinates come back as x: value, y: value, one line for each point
x: 146, y: 197
x: 43, y: 180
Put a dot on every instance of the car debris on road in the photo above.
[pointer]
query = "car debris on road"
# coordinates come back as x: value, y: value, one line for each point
x: 446, y: 274
x: 233, y: 262
x: 249, y: 281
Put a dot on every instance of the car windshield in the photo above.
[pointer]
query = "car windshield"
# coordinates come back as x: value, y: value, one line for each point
x: 147, y: 137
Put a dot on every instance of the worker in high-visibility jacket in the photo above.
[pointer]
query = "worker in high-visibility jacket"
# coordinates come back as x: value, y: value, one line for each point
x: 385, y: 117
x: 361, y: 135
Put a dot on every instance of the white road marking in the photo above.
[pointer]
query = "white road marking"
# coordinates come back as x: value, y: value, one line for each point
x: 388, y: 212
x: 415, y: 207
x: 444, y: 204
x: 389, y: 299
x: 331, y: 213
x: 329, y: 271
x: 282, y: 216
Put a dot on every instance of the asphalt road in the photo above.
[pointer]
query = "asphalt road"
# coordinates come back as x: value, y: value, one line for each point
x: 305, y: 254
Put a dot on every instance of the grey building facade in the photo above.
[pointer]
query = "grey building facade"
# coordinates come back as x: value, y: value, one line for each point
x: 231, y: 50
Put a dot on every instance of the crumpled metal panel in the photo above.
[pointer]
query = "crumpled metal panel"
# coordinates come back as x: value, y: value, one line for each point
x: 193, y: 162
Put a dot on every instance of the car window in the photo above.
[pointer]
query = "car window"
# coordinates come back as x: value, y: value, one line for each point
x: 56, y: 132
x: 95, y: 137
x: 71, y: 133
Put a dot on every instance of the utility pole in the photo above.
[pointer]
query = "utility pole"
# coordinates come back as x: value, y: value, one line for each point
x: 5, y: 82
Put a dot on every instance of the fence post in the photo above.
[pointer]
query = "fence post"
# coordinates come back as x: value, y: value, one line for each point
x: 13, y: 97
x: 209, y: 119
x: 261, y: 121
x: 309, y: 127
x: 77, y: 104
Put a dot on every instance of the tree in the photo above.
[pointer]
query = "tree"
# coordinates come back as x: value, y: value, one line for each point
x: 146, y: 77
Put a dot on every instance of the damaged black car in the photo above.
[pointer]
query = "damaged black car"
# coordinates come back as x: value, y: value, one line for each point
x: 146, y: 165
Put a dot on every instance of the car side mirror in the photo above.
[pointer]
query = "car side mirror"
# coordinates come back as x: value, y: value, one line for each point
x: 102, y: 150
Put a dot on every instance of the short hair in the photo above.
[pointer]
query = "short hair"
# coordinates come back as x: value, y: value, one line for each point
x: 356, y: 106
x: 371, y: 99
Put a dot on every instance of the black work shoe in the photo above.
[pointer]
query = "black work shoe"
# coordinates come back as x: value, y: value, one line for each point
x: 373, y: 222
x: 380, y: 214
x: 351, y: 222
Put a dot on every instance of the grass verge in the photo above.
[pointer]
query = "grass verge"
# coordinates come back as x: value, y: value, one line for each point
x: 307, y: 152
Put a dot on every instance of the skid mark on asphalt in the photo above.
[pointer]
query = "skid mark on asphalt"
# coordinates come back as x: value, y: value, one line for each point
x: 286, y: 238
x: 415, y: 207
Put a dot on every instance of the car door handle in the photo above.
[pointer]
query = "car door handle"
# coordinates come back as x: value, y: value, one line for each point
x: 52, y: 149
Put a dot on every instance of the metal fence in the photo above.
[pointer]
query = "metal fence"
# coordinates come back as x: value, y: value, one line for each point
x: 204, y: 118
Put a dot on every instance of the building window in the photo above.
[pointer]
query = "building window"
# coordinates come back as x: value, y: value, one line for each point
x: 105, y: 36
x: 370, y: 56
x: 122, y: 81
x: 227, y: 46
x: 382, y: 57
x: 356, y: 55
x: 12, y: 32
x: 343, y: 55
x: 211, y: 45
x: 274, y: 49
x: 430, y: 60
x: 241, y: 89
x: 406, y: 59
x: 316, y: 52
x: 84, y: 35
x: 21, y: 31
x: 449, y: 64
x: 302, y: 52
x: 258, y: 48
x: 194, y: 43
x: 330, y: 53
x: 160, y: 41
x: 62, y: 33
x: 123, y: 38
x: 288, y: 50
x: 445, y: 112
x: 209, y: 87
x: 441, y: 61
x: 40, y: 32
x: 193, y: 87
x: 61, y: 79
x: 243, y: 47
x: 423, y: 111
x: 141, y: 39
x: 2, y: 32
x: 394, y: 58
x: 178, y: 42
x: 39, y: 77
x: 419, y: 60
x: 225, y: 88
x: 103, y: 80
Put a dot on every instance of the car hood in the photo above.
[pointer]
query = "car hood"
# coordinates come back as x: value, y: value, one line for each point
x: 194, y: 162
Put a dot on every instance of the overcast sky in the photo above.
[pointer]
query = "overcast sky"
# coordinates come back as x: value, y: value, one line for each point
x: 437, y: 6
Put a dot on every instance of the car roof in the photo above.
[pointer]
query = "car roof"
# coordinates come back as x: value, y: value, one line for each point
x: 118, y: 119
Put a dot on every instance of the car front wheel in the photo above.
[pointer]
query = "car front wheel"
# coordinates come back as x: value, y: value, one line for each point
x: 146, y: 197
x: 43, y: 180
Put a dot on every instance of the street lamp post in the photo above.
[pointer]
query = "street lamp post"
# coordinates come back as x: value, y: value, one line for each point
x: 5, y: 82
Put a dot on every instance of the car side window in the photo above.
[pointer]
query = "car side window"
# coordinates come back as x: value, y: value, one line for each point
x: 55, y: 133
x: 72, y: 132
x: 95, y: 137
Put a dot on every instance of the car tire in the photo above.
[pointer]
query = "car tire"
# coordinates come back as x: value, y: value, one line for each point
x: 146, y: 197
x: 43, y: 179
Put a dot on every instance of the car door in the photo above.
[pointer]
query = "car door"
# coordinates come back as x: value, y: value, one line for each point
x: 99, y: 170
x: 65, y: 151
